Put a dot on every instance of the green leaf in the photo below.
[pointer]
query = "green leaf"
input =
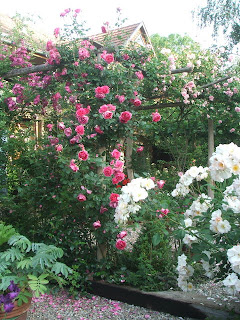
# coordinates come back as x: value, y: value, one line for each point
x: 156, y: 239
x: 59, y: 267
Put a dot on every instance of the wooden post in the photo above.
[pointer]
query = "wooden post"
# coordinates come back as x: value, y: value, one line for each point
x: 128, y: 155
x: 210, y: 151
x: 101, y: 247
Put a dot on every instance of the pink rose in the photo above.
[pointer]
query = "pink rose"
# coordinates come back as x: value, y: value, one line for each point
x: 120, y: 244
x: 80, y: 130
x: 122, y: 234
x: 83, y: 119
x: 164, y: 211
x: 96, y: 224
x: 83, y: 155
x: 105, y: 89
x: 116, y: 154
x: 108, y: 57
x: 125, y: 116
x: 103, y: 209
x: 121, y: 99
x: 50, y: 127
x: 56, y: 32
x: 107, y: 115
x: 139, y: 75
x: 58, y: 147
x: 83, y: 53
x: 81, y: 197
x: 160, y: 183
x: 108, y: 171
x: 114, y: 197
x: 68, y: 132
x: 140, y: 149
x: 73, y: 166
x: 103, y: 108
x: 118, y: 177
x: 156, y: 116
x: 137, y: 102
x: 119, y: 164
x: 98, y: 130
x: 61, y: 126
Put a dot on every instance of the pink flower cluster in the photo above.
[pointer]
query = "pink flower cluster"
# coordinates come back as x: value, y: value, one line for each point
x: 11, y: 103
x: 81, y: 114
x: 116, y: 168
x: 107, y: 110
x: 120, y: 243
x: 66, y: 11
x: 20, y: 57
x: 139, y: 75
x: 83, y: 53
x: 54, y: 55
x: 73, y: 166
x: 108, y: 57
x: 163, y: 213
x: 100, y: 92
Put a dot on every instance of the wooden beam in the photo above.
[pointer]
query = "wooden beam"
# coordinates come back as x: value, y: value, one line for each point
x: 182, y: 70
x: 161, y: 106
x: 28, y: 70
x: 215, y: 82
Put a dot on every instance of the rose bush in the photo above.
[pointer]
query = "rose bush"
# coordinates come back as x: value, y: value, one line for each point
x: 67, y: 131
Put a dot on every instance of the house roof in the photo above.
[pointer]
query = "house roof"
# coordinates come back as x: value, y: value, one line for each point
x: 124, y: 36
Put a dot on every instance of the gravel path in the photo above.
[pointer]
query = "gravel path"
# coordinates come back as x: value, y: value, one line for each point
x: 61, y: 306
x: 48, y: 307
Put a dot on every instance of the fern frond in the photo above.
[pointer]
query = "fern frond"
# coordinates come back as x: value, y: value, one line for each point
x: 12, y: 254
x: 59, y: 267
x: 21, y: 242
x: 6, y: 232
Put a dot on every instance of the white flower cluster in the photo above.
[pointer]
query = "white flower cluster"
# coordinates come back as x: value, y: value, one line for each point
x: 200, y: 205
x: 232, y: 283
x: 234, y: 258
x: 194, y: 173
x: 231, y: 198
x: 184, y: 273
x: 133, y: 192
x: 217, y: 224
x: 225, y: 162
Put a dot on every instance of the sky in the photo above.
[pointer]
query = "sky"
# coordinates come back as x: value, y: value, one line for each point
x: 161, y: 17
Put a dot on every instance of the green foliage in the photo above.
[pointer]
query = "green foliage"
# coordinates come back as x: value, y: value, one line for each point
x: 30, y: 265
x: 221, y: 14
